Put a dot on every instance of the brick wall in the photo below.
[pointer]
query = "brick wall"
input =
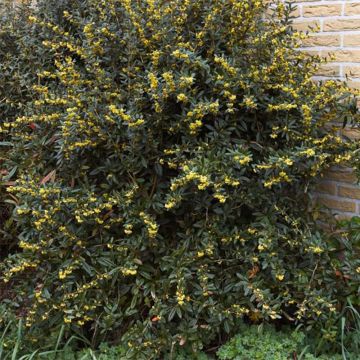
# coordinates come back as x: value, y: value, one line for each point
x: 334, y: 28
x: 338, y: 33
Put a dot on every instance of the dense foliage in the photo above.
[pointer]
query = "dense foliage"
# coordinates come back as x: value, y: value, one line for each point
x: 265, y: 343
x: 160, y: 157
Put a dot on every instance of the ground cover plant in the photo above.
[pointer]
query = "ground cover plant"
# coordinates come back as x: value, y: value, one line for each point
x: 265, y: 343
x: 158, y: 159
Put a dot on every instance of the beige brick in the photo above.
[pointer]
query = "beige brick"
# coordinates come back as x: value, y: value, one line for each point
x: 336, y: 188
x: 329, y: 70
x: 322, y: 10
x: 341, y: 176
x: 340, y: 217
x: 326, y: 187
x: 343, y: 55
x: 353, y: 134
x: 322, y: 40
x: 341, y: 25
x: 352, y: 40
x: 352, y: 71
x: 312, y: 52
x: 295, y: 12
x: 349, y: 192
x: 354, y: 84
x: 312, y: 25
x: 342, y: 205
x: 352, y: 9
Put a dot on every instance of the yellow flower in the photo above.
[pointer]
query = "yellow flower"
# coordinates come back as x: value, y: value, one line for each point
x: 155, y: 56
x: 204, y: 182
x: 214, y: 107
x: 243, y: 160
x: 186, y: 81
x: 280, y: 277
x: 194, y: 126
x: 316, y: 249
x: 288, y: 162
x: 308, y: 152
x: 182, y: 97
x: 251, y: 231
x: 220, y: 197
x: 179, y: 55
x: 180, y: 296
x: 153, y: 81
x: 32, y: 19
x: 127, y: 272
x: 170, y: 204
x: 249, y: 101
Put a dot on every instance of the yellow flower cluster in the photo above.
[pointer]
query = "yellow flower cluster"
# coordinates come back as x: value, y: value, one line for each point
x: 128, y: 229
x: 129, y: 271
x: 196, y: 115
x: 65, y: 272
x: 249, y: 102
x: 23, y: 265
x: 238, y: 310
x: 221, y: 197
x: 126, y: 117
x: 203, y: 180
x: 171, y: 203
x: 281, y: 107
x: 186, y: 81
x: 315, y: 249
x: 151, y: 225
x: 270, y: 312
x: 243, y: 160
x: 282, y: 177
x: 86, y: 286
x: 181, y: 297
x: 308, y: 152
x: 182, y: 97
x: 28, y: 246
x: 155, y: 57
x: 178, y: 54
x: 225, y: 65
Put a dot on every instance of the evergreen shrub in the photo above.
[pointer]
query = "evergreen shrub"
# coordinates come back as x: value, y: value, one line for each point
x: 161, y: 157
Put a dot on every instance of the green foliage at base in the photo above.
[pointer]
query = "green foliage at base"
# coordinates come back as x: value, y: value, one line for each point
x: 262, y: 342
x: 159, y: 158
x: 266, y: 343
x: 259, y: 345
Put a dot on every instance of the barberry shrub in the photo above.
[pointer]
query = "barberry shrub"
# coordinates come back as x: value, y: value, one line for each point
x: 162, y: 164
